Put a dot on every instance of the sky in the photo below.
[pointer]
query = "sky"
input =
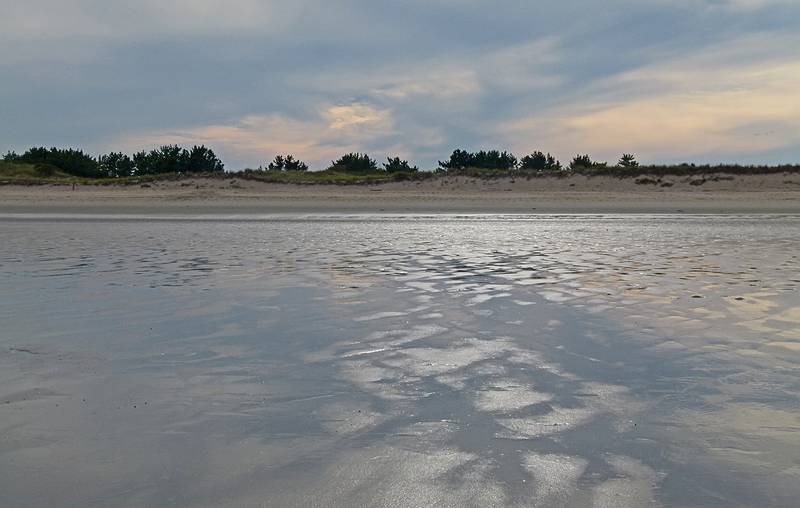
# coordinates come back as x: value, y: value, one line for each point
x: 670, y: 80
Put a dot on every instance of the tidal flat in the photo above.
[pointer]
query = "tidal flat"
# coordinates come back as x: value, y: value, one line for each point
x: 400, y: 360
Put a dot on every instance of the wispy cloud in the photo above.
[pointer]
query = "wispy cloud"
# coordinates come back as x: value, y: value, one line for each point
x: 334, y: 130
x: 65, y: 19
x: 723, y: 102
x: 671, y: 79
x: 358, y: 119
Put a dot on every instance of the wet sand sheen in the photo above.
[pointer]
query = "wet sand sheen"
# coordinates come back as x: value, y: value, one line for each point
x: 404, y: 362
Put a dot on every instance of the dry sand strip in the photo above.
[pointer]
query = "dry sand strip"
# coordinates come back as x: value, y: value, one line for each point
x: 744, y: 194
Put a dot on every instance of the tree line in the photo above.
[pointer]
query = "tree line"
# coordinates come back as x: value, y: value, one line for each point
x: 173, y: 159
x: 358, y: 163
x: 459, y: 161
x: 163, y: 160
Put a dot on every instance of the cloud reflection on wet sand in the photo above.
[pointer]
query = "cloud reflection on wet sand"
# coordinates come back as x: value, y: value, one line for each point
x: 466, y: 362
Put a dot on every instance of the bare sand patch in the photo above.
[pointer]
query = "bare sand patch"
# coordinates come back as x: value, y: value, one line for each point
x: 575, y: 194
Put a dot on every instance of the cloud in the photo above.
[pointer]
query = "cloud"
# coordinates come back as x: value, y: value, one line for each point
x: 453, y: 83
x: 401, y: 80
x: 747, y: 5
x: 358, y: 120
x: 334, y: 130
x: 729, y: 100
x: 680, y: 78
x: 63, y: 19
x: 458, y: 76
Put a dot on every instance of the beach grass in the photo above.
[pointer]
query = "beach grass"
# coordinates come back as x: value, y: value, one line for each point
x: 15, y: 173
x: 23, y: 171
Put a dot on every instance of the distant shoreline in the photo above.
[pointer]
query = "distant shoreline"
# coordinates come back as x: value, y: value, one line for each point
x: 706, y: 193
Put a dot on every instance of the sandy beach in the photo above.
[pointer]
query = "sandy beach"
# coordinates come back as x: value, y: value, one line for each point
x: 777, y: 193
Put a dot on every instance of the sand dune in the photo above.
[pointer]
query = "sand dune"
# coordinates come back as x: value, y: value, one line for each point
x: 777, y: 193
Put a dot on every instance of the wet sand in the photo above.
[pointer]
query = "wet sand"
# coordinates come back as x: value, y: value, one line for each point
x: 778, y: 193
x: 480, y: 361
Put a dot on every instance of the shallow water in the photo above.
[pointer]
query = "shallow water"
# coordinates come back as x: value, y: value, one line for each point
x: 400, y: 361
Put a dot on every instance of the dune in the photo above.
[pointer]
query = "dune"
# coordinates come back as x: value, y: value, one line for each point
x: 771, y: 193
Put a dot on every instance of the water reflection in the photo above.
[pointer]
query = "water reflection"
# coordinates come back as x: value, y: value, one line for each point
x: 470, y: 361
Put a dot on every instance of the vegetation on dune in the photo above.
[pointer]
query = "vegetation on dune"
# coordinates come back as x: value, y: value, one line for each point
x: 287, y: 163
x: 495, y: 160
x: 67, y: 165
x: 24, y: 170
x: 628, y: 160
x: 174, y: 159
x: 538, y: 161
x: 349, y: 169
x: 584, y: 162
x: 686, y: 169
x: 354, y: 163
x: 116, y: 164
x: 396, y: 165
x: 67, y: 160
x: 326, y: 177
x: 167, y: 159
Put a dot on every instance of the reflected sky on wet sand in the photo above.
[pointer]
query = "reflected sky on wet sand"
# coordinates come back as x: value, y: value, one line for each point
x: 400, y: 361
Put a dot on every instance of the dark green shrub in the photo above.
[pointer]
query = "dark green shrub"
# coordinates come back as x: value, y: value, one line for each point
x: 354, y: 163
x: 73, y: 162
x: 628, y: 160
x: 46, y: 170
x: 115, y: 165
x: 461, y: 160
x: 396, y: 165
x: 167, y: 159
x: 538, y: 161
x: 584, y: 162
x: 288, y: 163
x: 203, y: 160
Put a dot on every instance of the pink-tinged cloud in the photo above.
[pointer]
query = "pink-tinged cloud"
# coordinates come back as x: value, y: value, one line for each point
x: 695, y: 108
x: 335, y: 130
